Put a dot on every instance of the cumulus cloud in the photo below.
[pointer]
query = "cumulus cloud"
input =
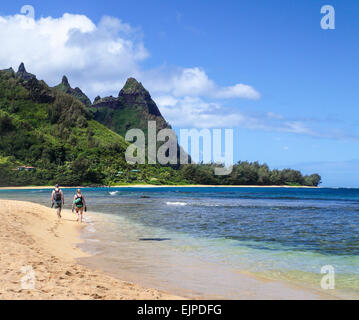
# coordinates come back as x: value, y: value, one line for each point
x: 195, y: 112
x: 194, y: 82
x: 198, y: 113
x: 96, y: 57
x: 237, y: 91
x: 99, y: 57
x: 191, y: 81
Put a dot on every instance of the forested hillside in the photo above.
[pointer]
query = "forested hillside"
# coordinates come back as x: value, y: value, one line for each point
x: 54, y: 131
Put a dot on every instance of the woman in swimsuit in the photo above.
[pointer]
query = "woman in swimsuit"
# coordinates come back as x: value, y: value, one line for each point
x: 79, y: 204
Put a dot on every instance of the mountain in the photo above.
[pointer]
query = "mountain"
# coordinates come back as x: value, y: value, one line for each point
x: 133, y: 108
x: 49, y: 135
x: 52, y: 131
x: 65, y: 87
x: 23, y: 74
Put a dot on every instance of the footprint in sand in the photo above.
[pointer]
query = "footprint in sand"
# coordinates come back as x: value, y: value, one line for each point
x: 128, y: 284
x: 102, y: 288
x: 96, y: 296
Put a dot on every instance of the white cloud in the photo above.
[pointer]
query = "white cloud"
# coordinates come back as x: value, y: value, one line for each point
x: 194, y: 112
x: 272, y: 115
x: 191, y: 81
x: 95, y: 57
x: 298, y: 127
x: 237, y: 91
x: 166, y: 101
x: 198, y: 113
x: 99, y: 58
x: 194, y: 82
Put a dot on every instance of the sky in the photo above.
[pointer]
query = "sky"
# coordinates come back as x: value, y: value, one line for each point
x: 267, y: 69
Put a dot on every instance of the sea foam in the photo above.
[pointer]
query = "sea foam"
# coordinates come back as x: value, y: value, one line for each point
x: 176, y: 203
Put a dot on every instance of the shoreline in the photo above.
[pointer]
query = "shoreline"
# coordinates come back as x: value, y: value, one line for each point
x: 34, y: 242
x: 31, y: 235
x: 159, y: 186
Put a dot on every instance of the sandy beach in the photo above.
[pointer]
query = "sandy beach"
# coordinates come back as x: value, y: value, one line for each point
x: 31, y: 236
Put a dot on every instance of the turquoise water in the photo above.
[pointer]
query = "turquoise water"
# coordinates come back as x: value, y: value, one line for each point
x: 276, y: 233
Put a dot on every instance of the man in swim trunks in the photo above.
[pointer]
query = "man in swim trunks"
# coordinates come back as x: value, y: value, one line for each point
x: 79, y: 204
x: 57, y: 200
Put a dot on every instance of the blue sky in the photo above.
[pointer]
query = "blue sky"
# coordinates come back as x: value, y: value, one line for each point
x: 298, y: 106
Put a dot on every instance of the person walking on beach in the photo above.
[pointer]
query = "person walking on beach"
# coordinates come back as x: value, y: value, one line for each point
x: 79, y: 204
x: 57, y: 200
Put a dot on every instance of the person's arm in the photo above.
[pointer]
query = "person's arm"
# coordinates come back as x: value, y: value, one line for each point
x: 52, y: 198
x: 73, y: 204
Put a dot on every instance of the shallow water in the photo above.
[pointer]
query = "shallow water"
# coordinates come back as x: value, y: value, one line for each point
x: 195, y: 240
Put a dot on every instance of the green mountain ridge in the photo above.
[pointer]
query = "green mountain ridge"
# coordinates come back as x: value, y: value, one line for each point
x: 73, y: 143
x: 54, y: 132
x: 133, y: 108
x: 65, y: 87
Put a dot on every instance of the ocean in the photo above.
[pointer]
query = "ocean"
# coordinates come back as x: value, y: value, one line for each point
x: 201, y: 241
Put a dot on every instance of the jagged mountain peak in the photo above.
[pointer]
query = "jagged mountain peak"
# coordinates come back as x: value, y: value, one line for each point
x: 132, y: 86
x: 98, y: 98
x: 23, y: 74
x: 133, y: 108
x: 65, y: 81
x: 65, y: 86
x: 21, y: 67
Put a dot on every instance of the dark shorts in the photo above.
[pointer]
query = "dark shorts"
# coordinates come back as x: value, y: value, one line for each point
x: 58, y: 204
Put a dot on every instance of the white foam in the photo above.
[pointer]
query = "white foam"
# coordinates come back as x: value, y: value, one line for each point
x: 113, y: 193
x: 176, y: 203
x: 93, y: 240
x: 91, y: 229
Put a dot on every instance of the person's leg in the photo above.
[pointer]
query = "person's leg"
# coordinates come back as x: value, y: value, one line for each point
x: 59, y: 212
x: 58, y: 209
x: 77, y: 212
x: 80, y: 214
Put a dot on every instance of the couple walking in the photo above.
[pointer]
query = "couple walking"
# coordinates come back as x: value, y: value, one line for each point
x: 58, y: 200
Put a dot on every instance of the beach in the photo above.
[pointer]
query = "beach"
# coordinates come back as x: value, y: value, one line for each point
x: 71, y: 261
x: 32, y: 238
x: 169, y: 243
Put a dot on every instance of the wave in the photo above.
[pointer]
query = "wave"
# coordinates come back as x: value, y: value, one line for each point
x: 92, y: 240
x: 113, y: 193
x: 176, y: 203
x: 91, y: 229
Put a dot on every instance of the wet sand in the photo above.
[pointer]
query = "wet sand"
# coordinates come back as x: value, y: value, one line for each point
x: 32, y: 238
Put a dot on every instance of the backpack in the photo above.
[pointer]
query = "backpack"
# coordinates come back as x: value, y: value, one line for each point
x: 57, y: 196
x: 78, y: 200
